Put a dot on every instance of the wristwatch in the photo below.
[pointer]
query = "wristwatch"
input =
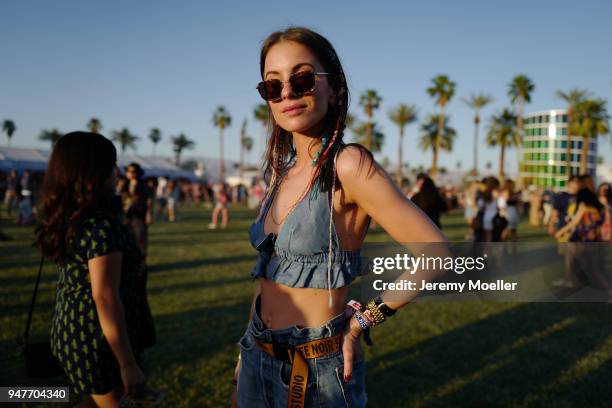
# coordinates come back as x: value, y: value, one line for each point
x: 383, y: 308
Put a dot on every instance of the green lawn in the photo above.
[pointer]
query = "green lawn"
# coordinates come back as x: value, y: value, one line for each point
x: 430, y: 354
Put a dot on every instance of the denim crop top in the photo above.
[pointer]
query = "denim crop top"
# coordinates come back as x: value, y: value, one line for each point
x: 299, y: 255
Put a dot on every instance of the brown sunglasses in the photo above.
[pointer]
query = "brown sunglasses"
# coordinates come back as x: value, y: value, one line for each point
x: 302, y: 82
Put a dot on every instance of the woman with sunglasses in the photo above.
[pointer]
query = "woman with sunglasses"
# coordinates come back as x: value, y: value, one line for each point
x: 301, y: 347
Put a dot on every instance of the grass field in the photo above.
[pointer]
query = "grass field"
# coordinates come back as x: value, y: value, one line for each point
x: 431, y: 354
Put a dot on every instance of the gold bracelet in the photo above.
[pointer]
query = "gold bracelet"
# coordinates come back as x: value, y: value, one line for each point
x: 377, y: 316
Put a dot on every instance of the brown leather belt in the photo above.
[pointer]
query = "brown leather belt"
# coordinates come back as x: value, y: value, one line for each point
x: 297, y: 356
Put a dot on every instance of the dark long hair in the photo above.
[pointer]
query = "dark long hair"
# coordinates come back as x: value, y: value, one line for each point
x: 589, y: 198
x: 428, y: 196
x: 75, y: 186
x: 280, y: 146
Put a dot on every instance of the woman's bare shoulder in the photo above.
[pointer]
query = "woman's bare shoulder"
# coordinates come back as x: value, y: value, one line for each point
x: 354, y: 162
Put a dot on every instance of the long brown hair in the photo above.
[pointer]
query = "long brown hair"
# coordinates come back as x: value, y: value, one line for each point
x: 75, y: 186
x: 280, y: 146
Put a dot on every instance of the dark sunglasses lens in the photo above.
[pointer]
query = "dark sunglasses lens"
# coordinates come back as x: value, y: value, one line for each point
x: 302, y: 82
x: 270, y: 90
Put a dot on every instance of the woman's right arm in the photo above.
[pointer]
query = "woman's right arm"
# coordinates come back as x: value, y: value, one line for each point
x: 105, y: 272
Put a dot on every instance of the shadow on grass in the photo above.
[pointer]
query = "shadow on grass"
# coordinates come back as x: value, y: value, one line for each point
x: 498, y: 360
x: 195, y: 285
x: 196, y: 263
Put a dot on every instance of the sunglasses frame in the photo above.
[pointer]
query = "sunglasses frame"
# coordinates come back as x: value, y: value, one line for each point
x: 261, y: 87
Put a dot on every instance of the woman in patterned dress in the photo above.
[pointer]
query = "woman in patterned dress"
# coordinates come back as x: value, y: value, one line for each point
x: 99, y: 310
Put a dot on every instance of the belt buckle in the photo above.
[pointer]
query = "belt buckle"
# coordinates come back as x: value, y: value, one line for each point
x: 283, y: 353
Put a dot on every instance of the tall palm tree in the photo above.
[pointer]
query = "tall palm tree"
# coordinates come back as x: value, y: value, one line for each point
x: 8, y: 127
x: 221, y: 119
x: 572, y: 97
x: 370, y: 100
x: 94, y: 125
x: 262, y: 115
x: 442, y: 90
x: 125, y: 139
x: 519, y: 91
x: 435, y: 138
x: 155, y: 136
x: 51, y: 136
x: 180, y: 143
x: 476, y: 103
x: 402, y: 116
x: 247, y: 143
x: 591, y: 119
x: 364, y: 130
x: 243, y: 136
x: 501, y: 133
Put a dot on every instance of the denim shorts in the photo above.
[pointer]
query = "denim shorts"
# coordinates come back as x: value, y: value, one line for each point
x: 264, y: 380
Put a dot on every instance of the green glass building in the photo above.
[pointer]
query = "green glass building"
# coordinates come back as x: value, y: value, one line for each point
x: 544, y: 151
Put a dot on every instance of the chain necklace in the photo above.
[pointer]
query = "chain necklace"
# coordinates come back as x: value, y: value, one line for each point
x: 290, y: 208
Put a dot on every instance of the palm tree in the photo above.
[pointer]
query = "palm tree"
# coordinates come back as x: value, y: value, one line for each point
x: 8, y: 127
x: 572, y: 98
x: 361, y: 132
x: 125, y: 139
x: 442, y: 90
x: 370, y: 100
x: 221, y: 119
x: 262, y: 115
x: 501, y: 133
x: 402, y: 116
x: 243, y: 136
x: 180, y: 143
x: 434, y: 138
x: 155, y: 136
x: 591, y: 119
x: 476, y: 103
x: 50, y: 136
x: 519, y: 91
x: 247, y: 143
x: 94, y: 125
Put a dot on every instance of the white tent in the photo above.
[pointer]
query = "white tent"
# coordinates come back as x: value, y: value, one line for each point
x: 21, y: 158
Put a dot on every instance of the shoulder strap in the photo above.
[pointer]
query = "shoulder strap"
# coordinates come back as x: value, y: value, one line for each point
x: 27, y: 329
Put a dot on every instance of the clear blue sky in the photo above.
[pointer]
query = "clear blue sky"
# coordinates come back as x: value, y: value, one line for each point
x: 169, y: 64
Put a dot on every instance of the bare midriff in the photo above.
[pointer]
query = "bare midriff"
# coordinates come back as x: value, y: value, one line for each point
x: 283, y: 306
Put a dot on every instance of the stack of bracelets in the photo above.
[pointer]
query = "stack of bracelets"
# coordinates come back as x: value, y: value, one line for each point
x: 373, y: 313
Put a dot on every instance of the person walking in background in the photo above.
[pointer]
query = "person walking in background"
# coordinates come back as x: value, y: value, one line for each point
x: 487, y: 207
x: 535, y: 206
x: 470, y: 206
x: 221, y: 197
x: 508, y: 204
x: 98, y: 325
x: 256, y: 193
x: 10, y: 194
x: 25, y: 216
x: 137, y: 206
x: 564, y: 206
x: 584, y: 228
x: 604, y: 193
x: 160, y: 195
x: 428, y: 198
x: 172, y: 194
